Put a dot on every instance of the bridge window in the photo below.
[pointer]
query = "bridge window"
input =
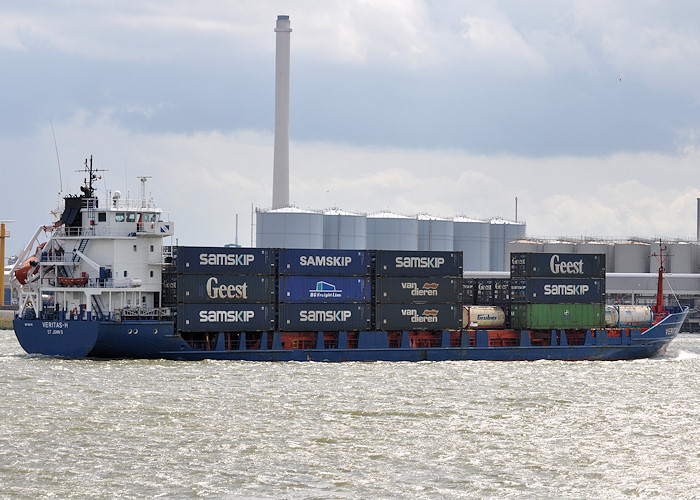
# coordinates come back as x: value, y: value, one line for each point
x: 119, y: 217
x: 101, y: 216
x: 131, y: 217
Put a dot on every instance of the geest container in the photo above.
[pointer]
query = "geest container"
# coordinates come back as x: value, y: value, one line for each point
x: 557, y: 316
x: 225, y: 289
x: 409, y: 290
x: 418, y: 316
x: 418, y: 263
x: 225, y: 260
x: 557, y: 265
x: 324, y: 317
x: 324, y: 289
x: 225, y: 317
x: 296, y: 261
x: 469, y: 291
x: 492, y: 291
x: 557, y: 291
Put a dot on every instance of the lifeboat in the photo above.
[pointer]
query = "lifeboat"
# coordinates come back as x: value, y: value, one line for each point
x: 27, y: 271
x: 66, y: 281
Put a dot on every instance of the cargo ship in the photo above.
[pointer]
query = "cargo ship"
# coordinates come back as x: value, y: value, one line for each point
x: 105, y: 281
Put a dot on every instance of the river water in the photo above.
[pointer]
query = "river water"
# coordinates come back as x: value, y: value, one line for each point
x: 222, y: 429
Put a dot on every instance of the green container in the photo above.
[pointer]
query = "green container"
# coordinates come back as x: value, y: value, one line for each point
x: 557, y: 316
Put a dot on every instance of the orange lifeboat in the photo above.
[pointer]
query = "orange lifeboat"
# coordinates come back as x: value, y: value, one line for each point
x: 29, y: 267
x: 66, y: 281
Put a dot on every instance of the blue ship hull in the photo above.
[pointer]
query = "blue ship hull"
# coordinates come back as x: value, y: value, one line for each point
x: 158, y: 339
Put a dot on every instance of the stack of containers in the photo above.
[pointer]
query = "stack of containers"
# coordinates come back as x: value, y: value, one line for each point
x: 557, y: 291
x: 416, y: 290
x: 225, y: 289
x: 324, y: 290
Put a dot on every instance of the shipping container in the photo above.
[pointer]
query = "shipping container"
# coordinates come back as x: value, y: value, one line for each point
x: 297, y: 261
x: 557, y: 291
x: 557, y: 316
x: 324, y: 317
x: 418, y: 316
x: 483, y: 317
x: 418, y: 263
x: 225, y: 289
x: 408, y: 290
x: 324, y: 289
x: 634, y: 315
x: 225, y: 260
x: 557, y: 265
x: 492, y: 291
x: 469, y: 291
x: 225, y: 317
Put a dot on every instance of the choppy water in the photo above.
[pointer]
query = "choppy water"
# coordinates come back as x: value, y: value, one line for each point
x: 100, y: 429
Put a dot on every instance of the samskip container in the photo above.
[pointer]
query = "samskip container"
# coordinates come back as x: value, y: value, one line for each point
x: 324, y: 289
x: 225, y: 260
x: 557, y: 291
x: 418, y: 263
x: 324, y: 317
x: 225, y: 289
x: 557, y: 316
x: 418, y: 316
x: 225, y: 317
x: 557, y: 265
x: 409, y: 290
x: 328, y: 262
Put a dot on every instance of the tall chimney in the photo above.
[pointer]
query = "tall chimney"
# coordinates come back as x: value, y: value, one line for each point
x: 280, y: 173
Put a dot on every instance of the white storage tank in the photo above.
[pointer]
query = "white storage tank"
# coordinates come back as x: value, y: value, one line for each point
x: 435, y: 233
x: 632, y: 257
x: 344, y: 230
x: 389, y: 231
x: 502, y: 232
x: 680, y: 260
x: 289, y: 227
x: 472, y: 237
x: 558, y: 247
x: 599, y: 247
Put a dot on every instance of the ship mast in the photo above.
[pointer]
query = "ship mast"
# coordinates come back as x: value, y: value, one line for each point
x: 661, y: 257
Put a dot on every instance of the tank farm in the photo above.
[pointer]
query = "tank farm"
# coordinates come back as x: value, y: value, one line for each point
x: 229, y: 298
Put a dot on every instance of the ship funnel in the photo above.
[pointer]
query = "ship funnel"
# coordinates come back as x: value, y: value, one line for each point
x: 280, y: 174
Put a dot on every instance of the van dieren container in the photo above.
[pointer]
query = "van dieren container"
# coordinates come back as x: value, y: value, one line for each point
x: 557, y: 291
x: 557, y: 265
x: 225, y: 289
x: 418, y: 263
x: 324, y: 317
x: 409, y: 290
x: 324, y: 289
x: 557, y: 316
x: 418, y: 316
x: 293, y: 261
x: 225, y: 260
x: 225, y: 317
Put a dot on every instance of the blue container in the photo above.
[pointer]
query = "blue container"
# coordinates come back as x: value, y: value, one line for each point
x: 419, y: 317
x: 225, y: 260
x: 324, y: 317
x: 557, y: 265
x: 418, y: 263
x: 225, y: 317
x: 295, y: 261
x: 557, y: 291
x: 323, y: 289
x: 225, y: 289
x: 409, y: 290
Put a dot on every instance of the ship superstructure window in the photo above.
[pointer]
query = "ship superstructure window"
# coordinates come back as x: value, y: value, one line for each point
x: 126, y: 273
x: 152, y: 248
x: 134, y: 248
x: 101, y: 216
x: 119, y: 217
x: 131, y: 217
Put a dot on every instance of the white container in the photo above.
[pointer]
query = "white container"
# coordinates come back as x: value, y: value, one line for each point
x: 483, y: 316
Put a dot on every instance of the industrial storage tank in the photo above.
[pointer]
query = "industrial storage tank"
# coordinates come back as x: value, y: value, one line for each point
x: 473, y: 238
x: 503, y: 232
x: 344, y: 230
x: 632, y: 257
x: 558, y: 247
x: 389, y: 231
x: 599, y: 247
x: 681, y: 258
x: 435, y: 233
x: 289, y: 227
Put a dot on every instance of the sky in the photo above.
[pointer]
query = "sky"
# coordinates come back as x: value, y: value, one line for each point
x: 585, y: 111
